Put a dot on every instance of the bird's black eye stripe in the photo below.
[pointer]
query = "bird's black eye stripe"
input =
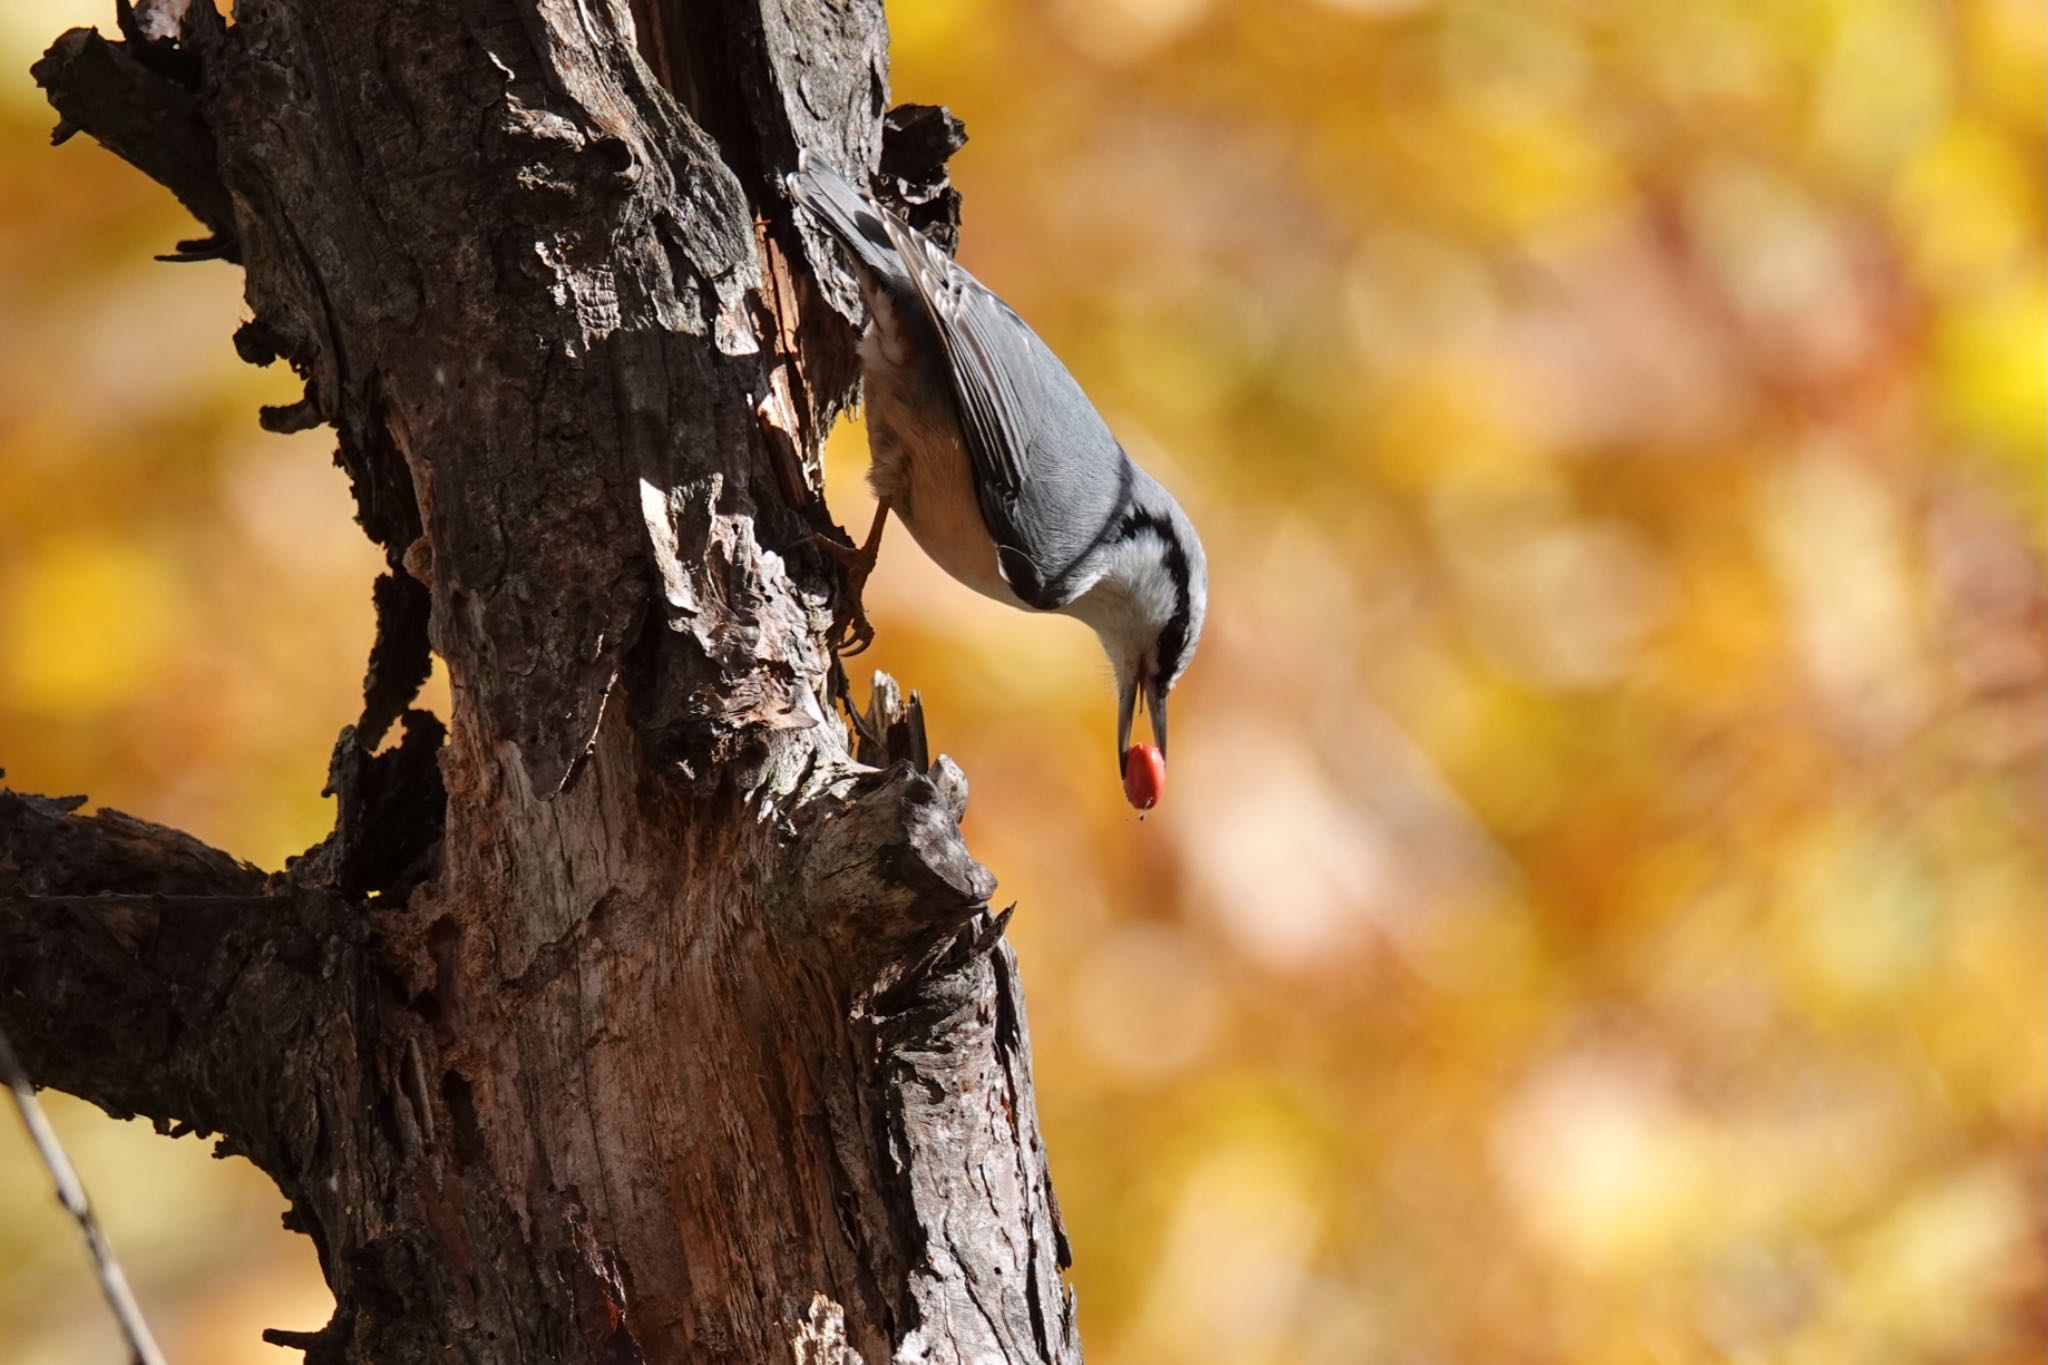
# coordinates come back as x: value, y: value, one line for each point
x: 1173, y: 637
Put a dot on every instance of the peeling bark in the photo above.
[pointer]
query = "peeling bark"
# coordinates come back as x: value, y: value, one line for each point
x: 629, y: 1016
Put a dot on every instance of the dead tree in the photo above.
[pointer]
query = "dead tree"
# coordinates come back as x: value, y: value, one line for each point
x: 630, y: 1016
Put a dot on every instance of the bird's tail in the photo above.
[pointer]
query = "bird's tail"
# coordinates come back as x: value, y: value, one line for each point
x: 848, y: 214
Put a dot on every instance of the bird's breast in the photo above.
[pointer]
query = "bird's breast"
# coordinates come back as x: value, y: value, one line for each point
x: 919, y: 466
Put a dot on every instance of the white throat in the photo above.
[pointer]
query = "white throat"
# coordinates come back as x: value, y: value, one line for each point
x: 1129, y: 603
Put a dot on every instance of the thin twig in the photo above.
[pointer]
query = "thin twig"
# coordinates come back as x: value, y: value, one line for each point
x: 71, y: 1193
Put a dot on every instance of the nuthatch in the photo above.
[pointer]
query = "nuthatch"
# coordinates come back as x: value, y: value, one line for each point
x: 1002, y: 469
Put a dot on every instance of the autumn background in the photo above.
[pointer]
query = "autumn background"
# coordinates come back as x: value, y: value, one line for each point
x: 1597, y: 912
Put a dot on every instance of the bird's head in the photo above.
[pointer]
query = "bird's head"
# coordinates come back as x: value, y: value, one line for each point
x: 1147, y: 609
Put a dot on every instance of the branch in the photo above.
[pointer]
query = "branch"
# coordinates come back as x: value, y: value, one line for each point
x: 71, y: 1194
x: 146, y: 118
x: 151, y: 974
x: 46, y: 849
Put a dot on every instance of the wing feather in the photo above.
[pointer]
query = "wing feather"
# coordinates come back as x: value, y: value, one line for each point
x: 988, y: 356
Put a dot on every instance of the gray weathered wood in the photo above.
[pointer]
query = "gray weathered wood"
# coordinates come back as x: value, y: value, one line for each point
x: 638, y: 1021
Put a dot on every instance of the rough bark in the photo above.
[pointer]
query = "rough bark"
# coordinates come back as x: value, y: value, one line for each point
x: 628, y: 1017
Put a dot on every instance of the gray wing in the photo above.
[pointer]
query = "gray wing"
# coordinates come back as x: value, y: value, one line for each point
x: 1049, y: 477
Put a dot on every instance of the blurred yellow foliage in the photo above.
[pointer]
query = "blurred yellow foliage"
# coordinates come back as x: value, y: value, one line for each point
x: 1596, y: 916
x: 61, y: 657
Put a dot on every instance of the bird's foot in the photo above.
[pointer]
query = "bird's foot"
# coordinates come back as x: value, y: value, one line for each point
x: 852, y: 632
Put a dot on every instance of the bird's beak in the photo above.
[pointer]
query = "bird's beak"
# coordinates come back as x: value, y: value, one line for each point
x: 1155, y: 702
x: 1126, y: 705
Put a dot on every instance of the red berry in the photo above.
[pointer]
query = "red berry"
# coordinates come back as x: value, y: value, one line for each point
x: 1144, y: 775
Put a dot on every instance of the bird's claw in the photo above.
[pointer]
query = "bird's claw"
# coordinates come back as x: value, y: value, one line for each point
x: 851, y: 632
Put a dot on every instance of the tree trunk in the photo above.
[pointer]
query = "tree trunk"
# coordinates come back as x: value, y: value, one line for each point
x: 632, y: 1017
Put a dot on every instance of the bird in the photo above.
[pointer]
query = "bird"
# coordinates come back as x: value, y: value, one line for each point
x: 985, y: 447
